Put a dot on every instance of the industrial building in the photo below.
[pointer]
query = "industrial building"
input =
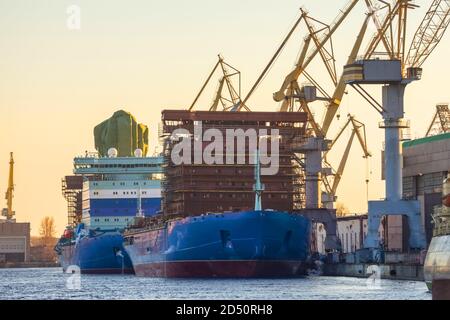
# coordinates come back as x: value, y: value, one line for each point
x: 351, y: 232
x: 14, y: 241
x: 14, y: 236
x: 426, y: 162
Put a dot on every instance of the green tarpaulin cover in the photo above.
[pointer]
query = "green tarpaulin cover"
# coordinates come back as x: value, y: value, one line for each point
x: 122, y: 132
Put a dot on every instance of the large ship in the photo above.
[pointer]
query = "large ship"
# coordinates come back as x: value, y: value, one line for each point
x: 108, y: 190
x: 254, y: 243
x: 437, y: 262
x: 115, y: 190
x: 213, y: 222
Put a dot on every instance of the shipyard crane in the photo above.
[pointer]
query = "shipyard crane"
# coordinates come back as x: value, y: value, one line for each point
x: 290, y: 92
x: 305, y: 58
x: 441, y: 121
x: 8, y: 211
x: 394, y: 70
x: 318, y: 144
x: 358, y: 130
x: 233, y: 100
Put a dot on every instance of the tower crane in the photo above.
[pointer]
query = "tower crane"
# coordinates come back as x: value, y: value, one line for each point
x: 441, y: 121
x: 230, y: 102
x: 8, y: 211
x: 394, y: 70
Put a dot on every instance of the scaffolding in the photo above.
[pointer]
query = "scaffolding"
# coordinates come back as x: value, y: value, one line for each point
x: 72, y: 187
x: 197, y: 188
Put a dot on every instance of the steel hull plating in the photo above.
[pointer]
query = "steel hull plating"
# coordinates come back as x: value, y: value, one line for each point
x: 222, y: 269
x: 437, y: 264
x: 96, y: 254
x: 242, y: 244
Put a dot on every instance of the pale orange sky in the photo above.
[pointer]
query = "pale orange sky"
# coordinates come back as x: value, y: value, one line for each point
x: 56, y: 84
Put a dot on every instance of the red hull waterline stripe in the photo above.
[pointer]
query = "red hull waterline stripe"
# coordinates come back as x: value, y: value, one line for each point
x: 221, y: 269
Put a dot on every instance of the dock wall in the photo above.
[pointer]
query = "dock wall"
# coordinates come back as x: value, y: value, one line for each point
x: 386, y: 271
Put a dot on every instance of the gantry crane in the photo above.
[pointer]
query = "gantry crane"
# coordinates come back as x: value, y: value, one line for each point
x: 233, y: 100
x: 8, y: 211
x: 441, y: 121
x: 395, y: 70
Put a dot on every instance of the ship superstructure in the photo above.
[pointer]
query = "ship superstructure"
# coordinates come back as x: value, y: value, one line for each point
x: 116, y: 189
x: 226, y: 220
x: 107, y: 190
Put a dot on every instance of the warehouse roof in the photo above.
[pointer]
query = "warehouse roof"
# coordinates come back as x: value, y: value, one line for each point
x: 415, y: 142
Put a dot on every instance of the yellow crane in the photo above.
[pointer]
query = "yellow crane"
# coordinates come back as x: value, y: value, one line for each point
x: 233, y: 101
x: 441, y: 121
x: 8, y: 212
x: 393, y: 69
x: 339, y: 91
x: 305, y: 57
x: 358, y: 130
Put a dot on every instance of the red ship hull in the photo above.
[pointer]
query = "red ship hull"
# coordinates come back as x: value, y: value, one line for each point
x: 222, y: 269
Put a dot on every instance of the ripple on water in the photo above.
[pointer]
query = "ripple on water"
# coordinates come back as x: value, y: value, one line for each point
x: 50, y: 283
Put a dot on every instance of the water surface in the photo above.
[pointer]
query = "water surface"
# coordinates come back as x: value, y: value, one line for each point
x: 52, y: 283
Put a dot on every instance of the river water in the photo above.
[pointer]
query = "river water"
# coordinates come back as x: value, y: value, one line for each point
x: 52, y: 283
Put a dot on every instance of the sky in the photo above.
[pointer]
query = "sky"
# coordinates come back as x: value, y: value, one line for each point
x: 143, y: 56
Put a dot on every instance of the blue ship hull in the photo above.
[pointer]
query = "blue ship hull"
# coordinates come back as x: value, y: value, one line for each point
x: 99, y: 252
x: 239, y: 244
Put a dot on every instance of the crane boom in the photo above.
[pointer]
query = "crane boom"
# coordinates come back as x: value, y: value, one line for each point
x: 429, y: 33
x: 342, y: 164
x: 339, y: 91
x: 218, y: 95
x: 387, y: 40
x: 381, y: 31
x: 291, y: 89
x: 441, y: 121
x: 358, y: 130
x: 8, y: 211
x: 272, y: 60
x: 234, y: 96
x: 204, y: 85
x: 327, y: 58
x: 295, y: 74
x: 226, y: 76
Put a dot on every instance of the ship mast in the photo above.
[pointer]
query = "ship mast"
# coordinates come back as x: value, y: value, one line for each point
x: 258, y: 187
x: 139, y: 212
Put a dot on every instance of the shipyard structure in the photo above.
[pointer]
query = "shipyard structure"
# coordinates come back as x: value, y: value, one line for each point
x: 14, y: 242
x: 14, y: 236
x: 235, y: 216
x: 225, y: 217
x: 107, y: 190
x: 197, y: 187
